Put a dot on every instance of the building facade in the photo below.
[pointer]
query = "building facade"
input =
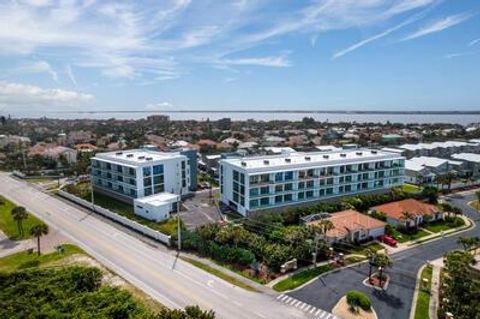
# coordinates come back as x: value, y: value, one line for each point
x: 255, y: 183
x: 131, y: 174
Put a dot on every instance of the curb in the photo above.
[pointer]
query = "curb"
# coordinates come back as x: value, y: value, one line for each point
x: 415, y: 294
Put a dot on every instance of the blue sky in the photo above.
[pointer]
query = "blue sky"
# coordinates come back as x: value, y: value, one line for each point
x: 239, y: 54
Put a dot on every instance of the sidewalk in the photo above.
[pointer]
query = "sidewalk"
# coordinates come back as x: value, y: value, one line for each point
x: 434, y: 291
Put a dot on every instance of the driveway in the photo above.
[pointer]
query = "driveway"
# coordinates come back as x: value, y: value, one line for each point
x: 395, y: 302
x: 200, y: 209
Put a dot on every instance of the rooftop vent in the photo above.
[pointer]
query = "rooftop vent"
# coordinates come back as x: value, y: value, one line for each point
x: 288, y: 160
x: 266, y: 162
x: 343, y: 155
x: 149, y: 158
x: 307, y: 158
x: 326, y: 156
x: 141, y: 157
x: 374, y: 152
x: 118, y: 153
x: 244, y: 164
x: 359, y: 153
x: 129, y: 155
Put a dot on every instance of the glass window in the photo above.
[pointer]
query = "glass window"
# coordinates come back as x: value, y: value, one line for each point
x: 253, y: 191
x: 158, y: 179
x: 264, y: 201
x: 278, y: 188
x: 279, y: 177
x: 278, y: 199
x: 235, y: 176
x: 147, y: 171
x: 288, y: 187
x: 288, y: 176
x: 264, y: 190
x: 309, y: 194
x: 157, y: 169
x: 148, y: 191
x: 158, y: 189
x: 147, y: 181
x: 253, y: 203
x: 131, y: 171
x: 288, y: 197
x: 301, y: 185
x: 301, y: 195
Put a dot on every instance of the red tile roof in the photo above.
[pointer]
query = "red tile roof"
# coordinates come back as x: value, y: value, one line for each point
x: 350, y: 220
x: 395, y: 209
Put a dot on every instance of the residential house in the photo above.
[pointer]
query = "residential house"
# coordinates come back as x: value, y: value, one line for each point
x: 395, y: 212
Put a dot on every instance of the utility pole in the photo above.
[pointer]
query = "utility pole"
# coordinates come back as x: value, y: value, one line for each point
x: 179, y: 229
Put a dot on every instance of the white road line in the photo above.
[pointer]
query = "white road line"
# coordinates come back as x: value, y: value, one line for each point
x: 306, y: 309
x: 284, y: 297
x: 298, y: 304
x: 280, y: 296
x: 293, y: 301
x: 329, y: 315
x: 318, y: 311
x: 322, y: 315
x: 288, y: 300
x: 303, y: 306
x: 313, y: 309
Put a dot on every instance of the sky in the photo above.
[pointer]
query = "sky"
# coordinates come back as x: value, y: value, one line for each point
x: 162, y: 55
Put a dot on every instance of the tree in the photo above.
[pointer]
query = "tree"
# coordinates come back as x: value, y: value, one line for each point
x: 383, y: 261
x: 469, y: 243
x: 19, y: 214
x: 431, y: 193
x: 372, y: 255
x: 407, y: 217
x: 38, y: 231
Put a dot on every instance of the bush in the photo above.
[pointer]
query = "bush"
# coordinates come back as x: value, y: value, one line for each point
x: 358, y: 298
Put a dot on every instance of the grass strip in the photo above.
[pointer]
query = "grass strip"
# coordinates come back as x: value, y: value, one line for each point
x: 423, y: 298
x: 300, y: 278
x: 220, y: 274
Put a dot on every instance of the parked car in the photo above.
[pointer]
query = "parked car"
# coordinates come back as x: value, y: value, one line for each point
x: 387, y: 240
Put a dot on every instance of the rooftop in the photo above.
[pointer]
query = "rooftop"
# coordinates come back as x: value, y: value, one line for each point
x: 136, y: 156
x: 350, y: 220
x: 430, y: 146
x: 158, y: 199
x: 429, y: 161
x: 396, y: 209
x: 310, y: 159
x: 469, y: 157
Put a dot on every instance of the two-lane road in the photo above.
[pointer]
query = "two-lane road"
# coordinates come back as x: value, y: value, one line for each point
x: 395, y: 302
x: 158, y: 272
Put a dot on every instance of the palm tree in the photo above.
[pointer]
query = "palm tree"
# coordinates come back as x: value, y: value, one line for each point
x: 320, y: 229
x: 382, y: 261
x: 19, y: 214
x: 38, y: 231
x: 372, y: 255
x: 407, y: 217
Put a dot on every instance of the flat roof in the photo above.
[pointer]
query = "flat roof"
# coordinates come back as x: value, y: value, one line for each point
x: 469, y: 157
x: 431, y: 161
x: 430, y: 146
x: 310, y: 159
x: 157, y: 199
x: 136, y: 156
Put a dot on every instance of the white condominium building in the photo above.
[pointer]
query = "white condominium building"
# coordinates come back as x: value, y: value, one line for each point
x: 131, y: 174
x: 263, y: 182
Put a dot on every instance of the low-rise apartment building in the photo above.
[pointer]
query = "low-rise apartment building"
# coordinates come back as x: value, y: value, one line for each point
x: 263, y: 182
x: 131, y: 174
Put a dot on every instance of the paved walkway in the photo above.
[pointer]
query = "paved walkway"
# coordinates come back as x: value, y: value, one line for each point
x: 434, y: 292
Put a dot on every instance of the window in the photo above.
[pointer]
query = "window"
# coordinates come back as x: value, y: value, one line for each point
x: 253, y: 203
x: 309, y: 194
x: 158, y: 179
x: 288, y: 187
x: 264, y: 201
x: 301, y: 185
x: 278, y: 188
x: 278, y: 177
x: 157, y: 169
x: 147, y: 181
x: 254, y: 179
x: 287, y: 197
x: 278, y: 199
x: 131, y: 171
x: 158, y: 189
x: 288, y: 176
x: 147, y: 171
x: 310, y: 184
x: 148, y: 191
x: 253, y: 191
x: 301, y: 195
x: 264, y: 190
x: 236, y: 176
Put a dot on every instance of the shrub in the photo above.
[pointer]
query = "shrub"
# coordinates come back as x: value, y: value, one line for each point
x: 358, y: 298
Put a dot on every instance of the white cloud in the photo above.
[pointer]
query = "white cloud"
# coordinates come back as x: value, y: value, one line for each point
x: 370, y: 39
x: 474, y: 42
x: 70, y: 74
x: 36, y: 67
x: 269, y: 61
x: 30, y: 95
x: 438, y: 25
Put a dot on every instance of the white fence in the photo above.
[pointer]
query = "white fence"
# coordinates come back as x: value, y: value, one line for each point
x: 166, y: 239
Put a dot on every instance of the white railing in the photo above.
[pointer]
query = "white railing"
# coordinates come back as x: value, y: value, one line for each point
x: 166, y: 239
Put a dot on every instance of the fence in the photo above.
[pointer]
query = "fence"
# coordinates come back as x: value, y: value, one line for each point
x: 166, y: 239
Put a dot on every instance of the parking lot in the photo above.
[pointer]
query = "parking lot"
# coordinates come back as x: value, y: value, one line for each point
x: 200, y: 209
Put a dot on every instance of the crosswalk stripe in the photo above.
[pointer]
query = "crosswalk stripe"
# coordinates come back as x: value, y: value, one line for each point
x: 303, y: 306
x: 293, y: 301
x: 308, y: 307
x: 318, y: 311
x: 298, y: 304
x: 329, y: 315
x: 284, y: 297
x: 313, y: 309
x: 280, y: 296
x: 323, y: 314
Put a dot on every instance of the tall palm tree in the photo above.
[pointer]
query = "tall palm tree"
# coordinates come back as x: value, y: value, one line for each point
x: 320, y: 230
x: 38, y: 231
x: 382, y: 261
x: 407, y: 217
x: 19, y: 214
x: 372, y: 255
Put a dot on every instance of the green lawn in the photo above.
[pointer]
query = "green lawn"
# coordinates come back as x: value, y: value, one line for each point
x: 444, y: 225
x: 302, y: 277
x: 25, y: 259
x: 220, y: 274
x: 358, y: 249
x: 82, y: 190
x: 410, y: 188
x: 423, y: 299
x: 9, y: 226
x: 402, y: 236
x: 475, y: 205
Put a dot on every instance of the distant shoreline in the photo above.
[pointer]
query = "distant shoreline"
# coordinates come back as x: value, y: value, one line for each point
x: 286, y: 111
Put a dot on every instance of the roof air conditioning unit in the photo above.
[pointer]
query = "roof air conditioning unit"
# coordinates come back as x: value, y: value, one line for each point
x: 141, y: 157
x: 343, y: 155
x: 374, y: 152
x: 359, y: 153
x: 129, y: 155
x: 244, y: 164
x: 149, y: 158
x: 266, y: 162
x: 307, y: 158
x: 118, y: 153
x: 325, y: 156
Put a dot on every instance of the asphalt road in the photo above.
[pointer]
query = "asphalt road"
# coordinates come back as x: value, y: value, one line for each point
x: 158, y: 272
x: 395, y: 302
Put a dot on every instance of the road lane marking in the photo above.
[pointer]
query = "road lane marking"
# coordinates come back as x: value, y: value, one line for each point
x: 280, y: 296
x: 308, y: 307
x: 313, y: 309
